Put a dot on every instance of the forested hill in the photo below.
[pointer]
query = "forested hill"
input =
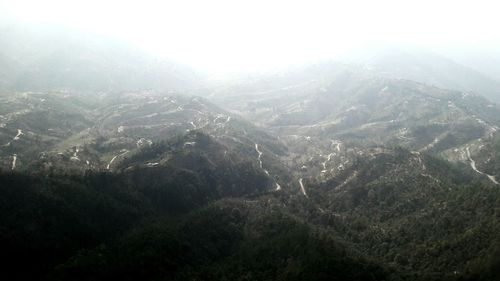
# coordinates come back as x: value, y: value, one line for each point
x: 118, y: 165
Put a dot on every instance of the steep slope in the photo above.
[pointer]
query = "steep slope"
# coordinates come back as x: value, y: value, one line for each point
x: 220, y: 169
x: 414, y: 211
x: 32, y: 123
x: 230, y: 240
x: 349, y: 107
x: 59, y: 132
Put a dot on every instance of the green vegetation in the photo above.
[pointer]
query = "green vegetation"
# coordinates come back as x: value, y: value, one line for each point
x: 347, y: 179
x: 173, y: 223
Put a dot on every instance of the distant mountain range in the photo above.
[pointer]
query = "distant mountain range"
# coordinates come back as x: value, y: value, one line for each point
x: 426, y: 67
x: 51, y: 58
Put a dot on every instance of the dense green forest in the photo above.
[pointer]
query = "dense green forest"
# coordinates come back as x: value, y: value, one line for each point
x: 101, y: 226
x: 170, y: 223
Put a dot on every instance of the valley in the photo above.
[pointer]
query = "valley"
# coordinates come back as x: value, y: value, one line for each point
x: 363, y: 172
x: 115, y: 164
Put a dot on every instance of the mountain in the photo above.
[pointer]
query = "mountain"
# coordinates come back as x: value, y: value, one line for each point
x: 331, y: 161
x: 426, y: 67
x: 52, y: 58
x: 105, y: 226
x: 484, y: 59
x: 344, y: 106
x: 59, y: 131
x: 411, y: 209
x: 115, y: 167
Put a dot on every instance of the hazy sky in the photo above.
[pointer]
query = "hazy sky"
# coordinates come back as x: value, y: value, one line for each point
x: 230, y: 34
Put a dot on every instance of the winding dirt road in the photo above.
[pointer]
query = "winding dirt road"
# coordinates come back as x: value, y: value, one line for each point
x: 113, y: 159
x: 302, y: 188
x: 473, y: 166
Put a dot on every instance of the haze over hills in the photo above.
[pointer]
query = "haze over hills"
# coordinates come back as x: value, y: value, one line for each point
x: 381, y: 165
x: 51, y: 57
x: 427, y: 67
x: 483, y: 59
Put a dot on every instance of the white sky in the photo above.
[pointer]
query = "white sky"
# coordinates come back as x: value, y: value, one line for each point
x: 223, y: 35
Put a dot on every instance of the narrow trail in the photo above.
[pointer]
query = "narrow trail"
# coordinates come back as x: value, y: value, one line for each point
x: 432, y: 144
x: 302, y: 188
x: 337, y: 144
x: 17, y: 137
x: 113, y: 159
x: 259, y: 158
x: 330, y: 156
x: 19, y: 133
x: 14, y: 159
x: 278, y: 186
x: 491, y: 129
x: 328, y: 159
x: 473, y: 166
x: 228, y: 118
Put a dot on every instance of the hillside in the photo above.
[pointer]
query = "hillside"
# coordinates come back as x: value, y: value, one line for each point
x: 115, y: 164
x: 426, y: 67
